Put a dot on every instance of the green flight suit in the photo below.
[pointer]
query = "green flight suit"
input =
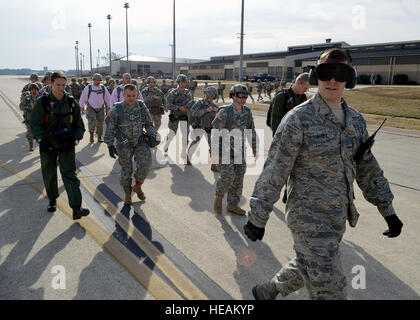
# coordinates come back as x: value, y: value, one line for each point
x: 66, y: 159
x: 280, y: 107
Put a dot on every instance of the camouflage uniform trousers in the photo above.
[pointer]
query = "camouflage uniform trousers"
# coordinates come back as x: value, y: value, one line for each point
x: 142, y: 158
x: 317, y: 266
x: 95, y: 120
x: 230, y: 181
x: 260, y: 96
x: 173, y: 129
x: 199, y: 133
x: 157, y: 120
x: 27, y: 121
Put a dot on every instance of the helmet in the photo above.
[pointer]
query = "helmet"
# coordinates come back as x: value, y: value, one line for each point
x: 34, y: 76
x: 33, y: 86
x: 181, y: 78
x: 134, y: 81
x: 107, y: 78
x: 48, y: 74
x: 237, y: 88
x: 150, y: 79
x: 211, y: 92
x: 73, y: 79
x: 97, y: 76
x: 111, y: 80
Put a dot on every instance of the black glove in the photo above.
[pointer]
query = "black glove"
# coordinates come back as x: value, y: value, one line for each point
x: 253, y: 232
x: 112, y: 152
x: 45, y: 146
x: 394, y: 224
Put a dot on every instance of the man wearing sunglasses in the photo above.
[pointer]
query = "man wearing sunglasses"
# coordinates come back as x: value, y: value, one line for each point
x: 315, y: 146
x: 236, y: 118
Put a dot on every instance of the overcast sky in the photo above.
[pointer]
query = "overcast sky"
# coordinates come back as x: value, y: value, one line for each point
x: 43, y: 32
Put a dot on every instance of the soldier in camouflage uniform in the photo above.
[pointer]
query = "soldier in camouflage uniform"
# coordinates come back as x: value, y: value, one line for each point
x: 34, y: 79
x: 165, y: 88
x: 178, y: 102
x: 173, y: 85
x: 26, y: 104
x: 192, y: 85
x: 269, y: 88
x: 315, y: 146
x: 46, y: 89
x: 80, y: 83
x: 221, y: 87
x: 126, y: 123
x: 250, y: 92
x: 111, y: 85
x: 154, y: 100
x: 75, y: 89
x: 260, y: 87
x: 85, y: 82
x: 234, y: 117
x: 204, y: 111
x: 276, y: 85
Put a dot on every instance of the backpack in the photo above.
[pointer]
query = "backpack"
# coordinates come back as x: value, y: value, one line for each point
x: 270, y: 109
x: 119, y: 90
x: 102, y: 88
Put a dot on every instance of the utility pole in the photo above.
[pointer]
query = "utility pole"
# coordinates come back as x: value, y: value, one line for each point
x: 109, y: 31
x: 81, y: 65
x: 90, y: 49
x: 97, y: 64
x: 174, y: 50
x: 126, y: 6
x: 241, y: 55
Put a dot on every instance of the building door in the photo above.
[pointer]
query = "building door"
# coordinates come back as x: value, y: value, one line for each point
x: 228, y: 74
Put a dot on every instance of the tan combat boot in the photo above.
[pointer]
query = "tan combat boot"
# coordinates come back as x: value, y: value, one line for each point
x: 217, y: 205
x: 127, y: 200
x: 213, y: 168
x: 31, y: 146
x: 140, y: 194
x: 236, y: 210
x: 91, y: 137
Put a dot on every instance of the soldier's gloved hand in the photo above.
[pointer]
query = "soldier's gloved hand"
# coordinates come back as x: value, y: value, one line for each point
x: 254, y: 232
x: 394, y: 224
x: 112, y: 152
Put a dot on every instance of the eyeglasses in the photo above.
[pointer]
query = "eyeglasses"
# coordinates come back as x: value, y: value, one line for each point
x: 341, y: 72
x: 242, y: 95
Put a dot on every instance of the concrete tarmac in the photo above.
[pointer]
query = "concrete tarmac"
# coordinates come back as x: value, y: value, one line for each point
x: 182, y: 244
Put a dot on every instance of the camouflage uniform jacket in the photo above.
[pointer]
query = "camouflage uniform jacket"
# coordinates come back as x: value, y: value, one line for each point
x: 177, y: 99
x: 205, y: 118
x: 229, y: 118
x: 128, y: 125
x: 317, y: 154
x: 154, y: 99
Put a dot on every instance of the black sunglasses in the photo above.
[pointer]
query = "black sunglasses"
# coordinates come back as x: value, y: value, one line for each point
x: 242, y: 95
x: 341, y: 72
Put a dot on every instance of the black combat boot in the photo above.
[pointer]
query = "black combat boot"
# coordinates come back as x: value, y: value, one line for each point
x: 52, y: 206
x: 80, y: 212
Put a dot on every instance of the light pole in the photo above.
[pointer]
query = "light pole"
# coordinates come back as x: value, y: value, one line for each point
x: 174, y: 49
x: 241, y: 56
x: 97, y: 63
x: 81, y: 65
x: 126, y: 6
x: 90, y: 48
x: 77, y: 57
x: 109, y: 31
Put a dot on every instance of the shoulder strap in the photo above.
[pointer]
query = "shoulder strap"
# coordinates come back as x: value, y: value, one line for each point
x: 103, y: 91
x: 90, y: 90
x: 119, y: 89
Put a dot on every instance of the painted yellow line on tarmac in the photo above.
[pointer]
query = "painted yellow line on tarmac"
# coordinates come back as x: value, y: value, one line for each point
x: 142, y: 273
x: 188, y: 289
